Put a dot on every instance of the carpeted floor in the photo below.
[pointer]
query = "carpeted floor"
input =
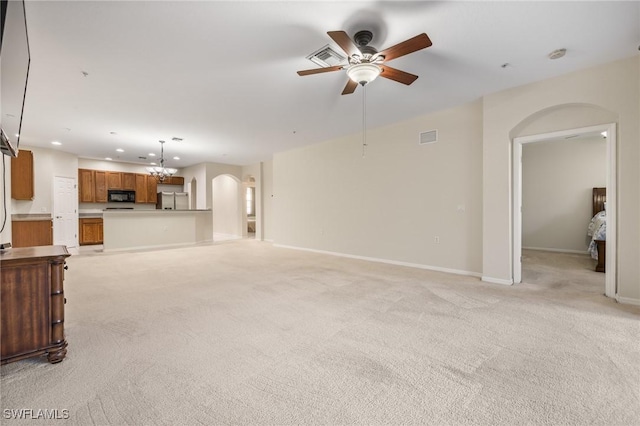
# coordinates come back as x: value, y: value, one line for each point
x: 245, y: 333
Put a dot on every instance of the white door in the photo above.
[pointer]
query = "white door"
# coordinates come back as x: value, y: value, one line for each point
x: 65, y: 214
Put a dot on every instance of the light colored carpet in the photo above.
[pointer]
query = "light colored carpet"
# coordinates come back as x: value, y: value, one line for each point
x: 245, y: 333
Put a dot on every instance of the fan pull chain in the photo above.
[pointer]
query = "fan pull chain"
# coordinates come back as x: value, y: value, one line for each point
x: 364, y: 116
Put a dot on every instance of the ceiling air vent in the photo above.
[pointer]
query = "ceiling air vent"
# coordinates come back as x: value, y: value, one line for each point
x: 326, y: 57
x: 428, y: 137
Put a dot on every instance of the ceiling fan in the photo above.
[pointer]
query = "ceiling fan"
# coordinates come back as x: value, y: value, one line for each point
x: 365, y: 63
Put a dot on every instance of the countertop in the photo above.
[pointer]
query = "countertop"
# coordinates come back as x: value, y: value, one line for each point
x: 30, y: 217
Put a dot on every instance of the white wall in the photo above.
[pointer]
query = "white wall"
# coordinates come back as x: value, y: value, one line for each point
x: 392, y: 204
x: 557, y: 182
x: 613, y: 90
x: 47, y: 164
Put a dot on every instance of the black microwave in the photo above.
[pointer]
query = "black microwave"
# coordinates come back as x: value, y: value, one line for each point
x: 117, y: 196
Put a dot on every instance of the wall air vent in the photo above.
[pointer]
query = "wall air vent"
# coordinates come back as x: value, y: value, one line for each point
x: 326, y: 57
x: 428, y: 137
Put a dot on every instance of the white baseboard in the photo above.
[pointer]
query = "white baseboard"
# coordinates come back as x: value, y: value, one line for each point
x: 217, y: 236
x: 387, y: 261
x: 497, y: 280
x: 628, y: 300
x: 585, y: 252
x: 153, y: 247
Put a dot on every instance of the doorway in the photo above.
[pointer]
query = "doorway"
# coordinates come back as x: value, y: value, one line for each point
x: 65, y: 214
x: 227, y: 203
x: 610, y: 131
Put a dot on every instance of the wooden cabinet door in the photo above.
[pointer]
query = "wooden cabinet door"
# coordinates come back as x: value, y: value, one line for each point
x: 141, y: 188
x: 30, y: 233
x: 86, y: 187
x: 22, y: 176
x: 100, y: 181
x: 114, y: 180
x: 91, y: 231
x: 152, y: 190
x: 129, y: 181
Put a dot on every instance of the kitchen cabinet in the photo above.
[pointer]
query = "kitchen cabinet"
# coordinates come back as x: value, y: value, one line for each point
x: 152, y: 190
x: 32, y: 303
x: 129, y: 181
x: 146, y: 189
x: 92, y: 187
x: 174, y: 180
x: 29, y: 233
x: 141, y: 188
x: 22, y: 176
x: 100, y: 186
x: 114, y: 180
x: 86, y: 187
x: 91, y: 231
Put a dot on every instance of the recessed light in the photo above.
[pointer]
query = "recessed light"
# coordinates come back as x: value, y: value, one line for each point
x: 56, y: 143
x: 153, y: 164
x: 151, y: 154
x: 112, y: 133
x: 108, y: 158
x: 176, y: 158
x: 120, y: 150
x: 177, y: 139
x: 557, y: 54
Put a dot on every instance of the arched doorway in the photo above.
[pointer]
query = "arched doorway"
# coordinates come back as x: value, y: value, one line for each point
x: 227, y: 202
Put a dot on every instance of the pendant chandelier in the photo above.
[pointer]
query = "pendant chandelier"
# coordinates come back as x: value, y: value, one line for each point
x: 161, y: 172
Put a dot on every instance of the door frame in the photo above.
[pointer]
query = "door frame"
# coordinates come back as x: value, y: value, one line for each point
x: 55, y: 202
x: 612, y: 202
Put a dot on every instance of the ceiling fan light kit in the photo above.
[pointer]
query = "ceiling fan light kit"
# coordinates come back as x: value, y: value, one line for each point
x: 363, y: 73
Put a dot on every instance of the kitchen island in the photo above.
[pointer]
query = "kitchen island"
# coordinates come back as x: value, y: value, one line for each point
x: 144, y: 229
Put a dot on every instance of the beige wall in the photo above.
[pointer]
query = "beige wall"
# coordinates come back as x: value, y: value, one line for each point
x: 557, y: 181
x: 612, y: 91
x: 227, y: 207
x: 394, y: 202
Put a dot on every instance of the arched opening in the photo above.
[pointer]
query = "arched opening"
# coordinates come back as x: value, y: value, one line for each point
x: 227, y: 203
x: 250, y: 206
x: 193, y: 193
x: 541, y: 129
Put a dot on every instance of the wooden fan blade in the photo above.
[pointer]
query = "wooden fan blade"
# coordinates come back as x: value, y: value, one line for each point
x: 320, y: 70
x: 343, y: 40
x: 397, y: 75
x: 414, y: 44
x: 350, y: 87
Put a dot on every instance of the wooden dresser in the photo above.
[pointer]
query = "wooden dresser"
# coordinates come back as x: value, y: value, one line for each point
x: 32, y: 303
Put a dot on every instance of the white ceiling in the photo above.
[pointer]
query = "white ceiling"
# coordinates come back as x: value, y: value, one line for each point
x: 222, y: 75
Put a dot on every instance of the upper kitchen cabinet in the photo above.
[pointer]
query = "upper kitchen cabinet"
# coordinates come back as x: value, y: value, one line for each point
x: 174, y: 180
x: 101, y: 186
x: 22, y: 176
x: 86, y: 186
x: 152, y: 190
x: 92, y: 186
x: 129, y: 181
x: 121, y: 181
x: 114, y: 180
x: 146, y: 189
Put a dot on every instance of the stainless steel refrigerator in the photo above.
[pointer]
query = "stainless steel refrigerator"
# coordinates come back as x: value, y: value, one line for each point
x: 182, y: 201
x: 166, y: 201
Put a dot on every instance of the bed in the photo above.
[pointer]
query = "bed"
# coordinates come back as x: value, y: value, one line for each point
x: 597, y: 229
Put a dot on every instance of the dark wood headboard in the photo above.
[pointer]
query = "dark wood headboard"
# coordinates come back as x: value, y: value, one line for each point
x: 599, y: 198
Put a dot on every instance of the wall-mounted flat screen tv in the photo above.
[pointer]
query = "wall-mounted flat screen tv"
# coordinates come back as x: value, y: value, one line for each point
x: 14, y: 73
